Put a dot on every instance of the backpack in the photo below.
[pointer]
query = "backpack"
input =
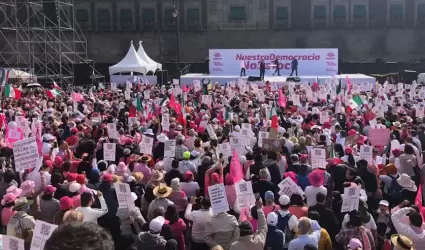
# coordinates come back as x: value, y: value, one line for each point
x: 395, y: 190
x: 282, y: 224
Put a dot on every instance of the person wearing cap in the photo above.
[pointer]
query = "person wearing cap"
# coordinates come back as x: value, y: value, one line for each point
x: 173, y: 173
x: 178, y: 197
x: 7, y: 202
x: 355, y: 244
x: 275, y: 238
x: 49, y: 206
x: 189, y: 186
x: 21, y: 224
x: 152, y: 240
x: 180, y: 149
x: 382, y: 218
x: 413, y: 230
x: 74, y: 193
x: 249, y: 239
x: 186, y: 164
x: 198, y: 218
x: 286, y: 222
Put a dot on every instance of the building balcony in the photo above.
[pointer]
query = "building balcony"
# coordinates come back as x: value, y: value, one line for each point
x: 238, y: 26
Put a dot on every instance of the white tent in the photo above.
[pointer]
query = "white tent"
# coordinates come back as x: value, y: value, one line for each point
x: 19, y: 74
x: 130, y: 63
x: 152, y: 65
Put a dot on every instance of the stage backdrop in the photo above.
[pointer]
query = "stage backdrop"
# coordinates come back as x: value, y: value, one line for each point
x: 310, y: 61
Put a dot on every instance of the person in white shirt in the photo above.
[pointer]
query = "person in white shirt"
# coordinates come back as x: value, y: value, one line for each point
x: 199, y: 219
x: 92, y: 214
x: 316, y: 179
x: 304, y: 238
x: 35, y: 175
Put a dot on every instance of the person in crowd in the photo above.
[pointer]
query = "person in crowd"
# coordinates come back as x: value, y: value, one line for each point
x: 325, y: 242
x: 92, y: 214
x: 173, y: 173
x: 355, y: 229
x: 414, y: 230
x: 49, y: 206
x: 189, y: 186
x: 152, y: 240
x: 7, y: 202
x: 327, y: 219
x: 263, y: 185
x: 21, y: 225
x: 199, y: 218
x: 309, y: 234
x: 286, y: 222
x: 270, y: 205
x: 161, y: 192
x: 177, y: 225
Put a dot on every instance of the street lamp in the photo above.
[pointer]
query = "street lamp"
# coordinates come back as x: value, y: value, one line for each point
x: 176, y: 16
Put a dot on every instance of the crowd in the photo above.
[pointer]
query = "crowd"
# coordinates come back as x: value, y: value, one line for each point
x: 74, y: 187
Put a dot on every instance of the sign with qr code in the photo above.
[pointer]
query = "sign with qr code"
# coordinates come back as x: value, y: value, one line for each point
x: 261, y: 136
x: 146, y: 145
x: 324, y: 117
x: 42, y: 233
x: 218, y: 198
x: 170, y: 148
x: 289, y: 187
x: 112, y: 130
x: 25, y: 153
x: 318, y: 158
x: 244, y: 194
x: 109, y: 150
x: 12, y: 243
x: 225, y: 149
x: 125, y: 200
x: 165, y: 122
x: 272, y: 144
x: 350, y: 199
x: 366, y: 153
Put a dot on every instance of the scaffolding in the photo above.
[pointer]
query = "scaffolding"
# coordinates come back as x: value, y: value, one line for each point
x: 44, y: 38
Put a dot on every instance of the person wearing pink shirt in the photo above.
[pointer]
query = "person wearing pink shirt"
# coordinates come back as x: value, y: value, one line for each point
x: 7, y: 212
x: 270, y: 205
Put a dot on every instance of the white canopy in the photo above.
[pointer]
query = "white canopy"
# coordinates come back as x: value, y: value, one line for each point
x: 19, y: 74
x: 130, y: 63
x: 152, y: 65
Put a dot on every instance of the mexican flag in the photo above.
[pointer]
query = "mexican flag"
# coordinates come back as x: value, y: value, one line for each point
x: 354, y: 103
x: 53, y: 93
x: 4, y: 76
x: 137, y: 103
x: 56, y: 86
x: 12, y: 92
x: 273, y: 115
x: 164, y: 102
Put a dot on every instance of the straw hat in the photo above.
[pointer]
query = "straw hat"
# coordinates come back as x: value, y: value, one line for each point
x: 401, y: 242
x: 21, y: 203
x: 162, y: 191
x: 406, y: 182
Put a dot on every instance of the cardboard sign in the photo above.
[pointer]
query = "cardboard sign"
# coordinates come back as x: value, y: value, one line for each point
x: 112, y: 130
x: 420, y: 111
x: 109, y: 150
x: 318, y: 158
x: 289, y: 187
x: 379, y: 136
x: 324, y: 117
x: 132, y: 120
x: 146, y: 145
x: 206, y: 99
x: 366, y: 153
x: 25, y: 153
x: 218, y: 198
x: 211, y: 132
x: 350, y: 199
x: 273, y: 145
x: 225, y: 149
x: 170, y: 148
x: 244, y: 194
x: 165, y: 122
x: 127, y: 95
x: 261, y: 136
x: 125, y: 201
x: 42, y: 233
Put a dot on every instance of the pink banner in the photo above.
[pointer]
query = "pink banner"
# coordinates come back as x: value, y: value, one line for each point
x: 379, y: 136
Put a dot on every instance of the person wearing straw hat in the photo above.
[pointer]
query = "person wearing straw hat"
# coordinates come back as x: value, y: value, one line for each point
x: 161, y: 193
x: 401, y: 242
x: 21, y: 224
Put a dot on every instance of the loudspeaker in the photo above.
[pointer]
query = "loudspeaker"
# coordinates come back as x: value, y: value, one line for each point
x: 254, y: 78
x: 293, y: 79
x: 49, y: 10
x: 82, y: 74
x: 162, y: 76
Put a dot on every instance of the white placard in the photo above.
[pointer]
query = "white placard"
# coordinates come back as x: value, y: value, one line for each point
x: 124, y: 196
x: 165, y: 122
x: 218, y: 198
x: 225, y: 149
x: 42, y: 233
x: 25, y: 153
x: 420, y: 111
x: 261, y: 136
x: 207, y: 99
x: 289, y: 187
x: 146, y: 95
x: 170, y: 148
x: 112, y: 130
x: 113, y: 86
x: 246, y: 126
x: 12, y: 243
x: 324, y: 117
x: 132, y: 120
x: 109, y: 150
x: 127, y: 95
x: 318, y: 158
x: 244, y: 194
x: 211, y: 132
x: 366, y: 153
x: 350, y: 199
x: 146, y: 145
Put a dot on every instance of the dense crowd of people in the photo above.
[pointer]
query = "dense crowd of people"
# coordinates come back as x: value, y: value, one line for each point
x: 74, y: 187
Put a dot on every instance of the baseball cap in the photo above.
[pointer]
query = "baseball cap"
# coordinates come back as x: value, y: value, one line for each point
x: 74, y: 187
x: 65, y: 203
x: 384, y: 203
x: 107, y: 177
x: 156, y: 224
x: 49, y: 189
x: 269, y: 195
x: 354, y: 244
x: 272, y: 219
x: 284, y: 200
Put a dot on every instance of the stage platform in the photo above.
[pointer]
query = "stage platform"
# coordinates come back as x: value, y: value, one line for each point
x: 223, y: 79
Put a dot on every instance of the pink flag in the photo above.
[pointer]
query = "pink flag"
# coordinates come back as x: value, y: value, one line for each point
x: 282, y: 100
x: 348, y: 85
x: 76, y: 97
x: 418, y: 200
x: 236, y: 168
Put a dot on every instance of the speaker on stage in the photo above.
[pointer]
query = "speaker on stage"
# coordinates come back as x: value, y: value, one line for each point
x: 162, y: 76
x: 83, y: 73
x: 49, y: 9
x: 293, y: 79
x: 254, y: 78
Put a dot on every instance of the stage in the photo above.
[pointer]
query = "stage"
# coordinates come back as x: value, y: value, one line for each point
x: 223, y: 79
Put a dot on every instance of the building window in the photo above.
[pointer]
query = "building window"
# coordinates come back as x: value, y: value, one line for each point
x: 282, y: 14
x: 103, y: 19
x: 319, y: 12
x: 237, y: 13
x: 421, y: 11
x: 359, y: 12
x: 148, y: 18
x: 396, y: 12
x: 82, y: 17
x: 169, y: 18
x: 339, y: 12
x: 126, y: 19
x: 192, y: 17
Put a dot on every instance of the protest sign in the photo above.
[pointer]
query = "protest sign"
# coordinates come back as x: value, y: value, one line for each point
x: 420, y: 110
x: 170, y: 148
x: 25, y: 153
x: 246, y: 126
x: 12, y: 243
x: 262, y: 135
x: 211, y: 132
x: 350, y: 199
x: 324, y: 117
x: 244, y: 194
x: 218, y: 198
x: 14, y: 134
x: 273, y: 144
x: 379, y: 136
x: 165, y: 122
x: 132, y: 120
x: 125, y: 200
x: 112, y: 130
x: 289, y: 187
x: 318, y: 158
x: 109, y: 150
x: 42, y: 233
x: 206, y: 99
x: 146, y: 145
x: 127, y: 95
x: 146, y: 95
x: 366, y: 153
x: 225, y: 149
